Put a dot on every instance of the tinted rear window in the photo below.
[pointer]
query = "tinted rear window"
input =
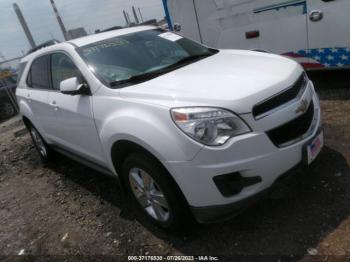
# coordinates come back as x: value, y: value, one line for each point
x: 39, y: 75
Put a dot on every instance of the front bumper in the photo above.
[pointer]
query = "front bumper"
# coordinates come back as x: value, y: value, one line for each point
x: 212, y: 214
x: 251, y: 155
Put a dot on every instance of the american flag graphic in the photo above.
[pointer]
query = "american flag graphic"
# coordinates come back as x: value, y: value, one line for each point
x: 315, y: 146
x: 322, y: 57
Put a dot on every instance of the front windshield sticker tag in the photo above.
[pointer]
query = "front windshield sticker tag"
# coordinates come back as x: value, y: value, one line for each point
x: 170, y: 36
x: 98, y: 48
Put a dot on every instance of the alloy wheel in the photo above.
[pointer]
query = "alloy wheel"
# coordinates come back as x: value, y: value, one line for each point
x: 38, y: 141
x: 149, y: 194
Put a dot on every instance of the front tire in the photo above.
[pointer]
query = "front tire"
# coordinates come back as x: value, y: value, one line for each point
x: 153, y: 193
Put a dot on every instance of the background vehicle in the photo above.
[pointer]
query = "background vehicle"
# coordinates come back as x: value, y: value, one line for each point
x: 313, y: 32
x: 8, y: 104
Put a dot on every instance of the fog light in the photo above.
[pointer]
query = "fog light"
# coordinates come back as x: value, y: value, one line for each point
x: 233, y: 183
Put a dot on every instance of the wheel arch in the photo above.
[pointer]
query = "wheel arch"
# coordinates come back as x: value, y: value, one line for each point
x: 27, y: 122
x: 123, y: 148
x: 26, y: 113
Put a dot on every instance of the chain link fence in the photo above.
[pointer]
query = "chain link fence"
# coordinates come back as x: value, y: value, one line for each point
x: 8, y: 81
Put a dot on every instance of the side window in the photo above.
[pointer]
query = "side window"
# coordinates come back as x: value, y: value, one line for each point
x: 62, y: 68
x: 38, y: 76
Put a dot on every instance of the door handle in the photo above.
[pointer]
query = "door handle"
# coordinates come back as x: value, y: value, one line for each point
x: 316, y: 15
x: 54, y: 105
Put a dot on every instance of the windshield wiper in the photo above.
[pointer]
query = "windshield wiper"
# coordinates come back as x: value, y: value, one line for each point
x: 139, y: 78
x: 149, y: 75
x: 190, y: 58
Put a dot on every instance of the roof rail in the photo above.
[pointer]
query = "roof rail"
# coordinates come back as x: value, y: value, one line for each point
x: 112, y: 28
x: 45, y: 44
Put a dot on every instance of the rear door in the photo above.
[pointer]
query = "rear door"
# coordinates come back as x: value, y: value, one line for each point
x: 38, y: 91
x: 74, y: 127
x: 329, y: 32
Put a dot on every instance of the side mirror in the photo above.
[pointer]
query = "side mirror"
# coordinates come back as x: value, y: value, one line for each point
x: 71, y: 86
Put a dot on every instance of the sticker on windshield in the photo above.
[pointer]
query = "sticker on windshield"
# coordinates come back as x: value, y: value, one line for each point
x: 98, y: 48
x: 170, y: 36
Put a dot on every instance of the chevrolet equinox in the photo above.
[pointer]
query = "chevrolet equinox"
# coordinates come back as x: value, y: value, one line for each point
x: 190, y: 131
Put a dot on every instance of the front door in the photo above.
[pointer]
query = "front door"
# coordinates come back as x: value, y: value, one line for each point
x: 74, y: 127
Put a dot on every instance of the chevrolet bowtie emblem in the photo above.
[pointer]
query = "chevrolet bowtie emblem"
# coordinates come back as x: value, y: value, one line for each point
x: 302, y: 108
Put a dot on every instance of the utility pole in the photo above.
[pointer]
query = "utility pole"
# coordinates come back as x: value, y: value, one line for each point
x: 140, y: 14
x: 135, y: 15
x: 127, y: 14
x: 63, y: 29
x: 24, y: 25
x: 126, y: 18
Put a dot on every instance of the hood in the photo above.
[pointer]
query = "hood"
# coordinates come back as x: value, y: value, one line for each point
x: 236, y: 80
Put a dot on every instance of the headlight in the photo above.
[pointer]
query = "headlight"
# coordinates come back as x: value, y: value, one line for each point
x: 207, y: 125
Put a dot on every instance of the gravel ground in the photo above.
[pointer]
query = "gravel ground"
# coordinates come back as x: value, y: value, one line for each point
x: 65, y: 208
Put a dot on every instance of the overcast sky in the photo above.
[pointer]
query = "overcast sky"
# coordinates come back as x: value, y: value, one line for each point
x: 91, y: 14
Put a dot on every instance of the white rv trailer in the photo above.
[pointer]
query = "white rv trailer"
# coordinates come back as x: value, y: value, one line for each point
x: 316, y: 33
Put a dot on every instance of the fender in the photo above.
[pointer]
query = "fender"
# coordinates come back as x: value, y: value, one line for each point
x: 151, y: 129
x: 26, y: 111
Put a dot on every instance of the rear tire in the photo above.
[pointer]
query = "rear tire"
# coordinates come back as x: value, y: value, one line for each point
x: 153, y: 193
x: 40, y: 145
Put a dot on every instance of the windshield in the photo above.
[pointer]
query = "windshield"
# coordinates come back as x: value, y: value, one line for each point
x: 141, y: 56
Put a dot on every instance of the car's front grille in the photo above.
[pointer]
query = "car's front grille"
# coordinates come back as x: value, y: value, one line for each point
x: 278, y: 100
x: 292, y: 130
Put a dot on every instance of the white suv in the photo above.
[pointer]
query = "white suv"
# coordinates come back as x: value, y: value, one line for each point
x: 187, y: 129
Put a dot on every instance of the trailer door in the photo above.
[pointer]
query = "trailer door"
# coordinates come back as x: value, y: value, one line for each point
x: 282, y: 26
x: 329, y: 32
x: 183, y: 13
x: 224, y: 23
x: 278, y: 26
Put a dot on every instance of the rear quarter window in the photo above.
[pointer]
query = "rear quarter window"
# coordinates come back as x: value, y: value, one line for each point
x: 20, y: 71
